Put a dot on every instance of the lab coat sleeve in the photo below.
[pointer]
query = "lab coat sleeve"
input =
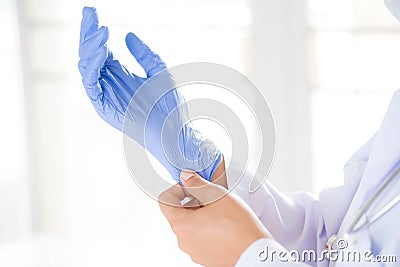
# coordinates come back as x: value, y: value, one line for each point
x: 267, y: 252
x: 300, y: 221
x: 294, y: 219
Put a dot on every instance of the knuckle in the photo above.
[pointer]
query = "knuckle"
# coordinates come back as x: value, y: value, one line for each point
x: 177, y: 229
x: 181, y: 231
x: 183, y: 245
x: 161, y: 197
x: 195, y: 259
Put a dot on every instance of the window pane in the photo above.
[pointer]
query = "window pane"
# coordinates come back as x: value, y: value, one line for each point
x: 344, y: 61
x: 353, y: 72
x: 349, y: 14
x: 13, y: 213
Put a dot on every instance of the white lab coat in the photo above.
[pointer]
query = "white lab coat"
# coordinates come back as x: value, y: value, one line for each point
x: 302, y: 222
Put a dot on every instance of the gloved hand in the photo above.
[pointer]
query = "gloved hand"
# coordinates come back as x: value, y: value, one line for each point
x: 111, y: 88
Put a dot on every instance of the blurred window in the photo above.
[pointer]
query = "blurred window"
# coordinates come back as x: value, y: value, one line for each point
x: 13, y: 164
x: 353, y: 57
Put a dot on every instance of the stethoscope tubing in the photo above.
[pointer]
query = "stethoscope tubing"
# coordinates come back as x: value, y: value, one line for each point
x: 354, y: 227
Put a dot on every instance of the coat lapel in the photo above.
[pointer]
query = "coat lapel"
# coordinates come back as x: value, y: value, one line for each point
x: 384, y: 155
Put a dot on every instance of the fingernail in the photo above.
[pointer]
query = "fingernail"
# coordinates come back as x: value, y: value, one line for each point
x: 187, y: 174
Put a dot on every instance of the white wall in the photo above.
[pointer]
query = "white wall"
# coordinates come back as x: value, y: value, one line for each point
x: 278, y: 67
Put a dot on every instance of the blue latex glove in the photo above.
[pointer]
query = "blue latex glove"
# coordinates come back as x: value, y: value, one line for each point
x: 110, y: 87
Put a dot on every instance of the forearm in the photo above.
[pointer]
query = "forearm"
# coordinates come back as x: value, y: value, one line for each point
x: 294, y: 220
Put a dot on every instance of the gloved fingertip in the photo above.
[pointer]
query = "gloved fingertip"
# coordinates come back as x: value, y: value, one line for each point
x: 105, y: 29
x: 130, y: 35
x: 88, y: 10
x: 135, y: 45
x: 89, y: 16
x: 105, y: 34
x: 150, y: 62
x: 131, y: 40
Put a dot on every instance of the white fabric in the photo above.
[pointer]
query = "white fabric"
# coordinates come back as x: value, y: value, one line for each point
x: 265, y: 257
x: 299, y: 221
x: 394, y: 7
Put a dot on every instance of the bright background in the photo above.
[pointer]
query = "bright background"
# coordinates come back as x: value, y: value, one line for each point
x: 327, y: 68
